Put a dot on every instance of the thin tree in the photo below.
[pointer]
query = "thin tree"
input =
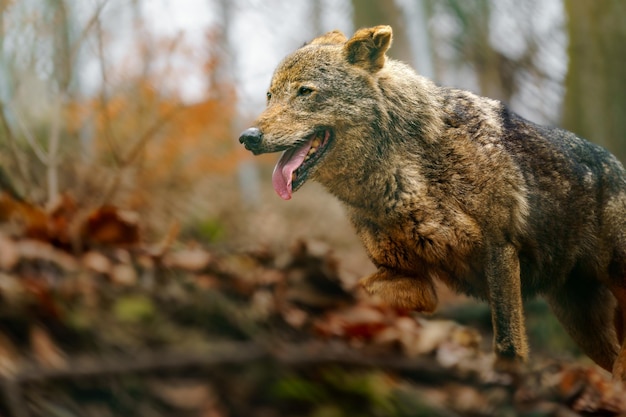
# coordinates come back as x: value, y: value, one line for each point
x: 595, y: 99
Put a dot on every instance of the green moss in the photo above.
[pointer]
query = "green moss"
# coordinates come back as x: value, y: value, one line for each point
x: 209, y: 230
x: 134, y: 309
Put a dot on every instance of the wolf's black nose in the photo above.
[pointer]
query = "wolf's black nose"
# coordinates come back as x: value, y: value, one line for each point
x: 251, y: 138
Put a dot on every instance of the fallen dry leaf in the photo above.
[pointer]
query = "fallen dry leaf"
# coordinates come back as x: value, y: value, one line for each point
x: 207, y: 282
x: 360, y: 321
x: 97, y: 262
x: 28, y: 218
x: 191, y: 259
x: 9, y: 255
x: 11, y: 288
x: 9, y: 356
x: 61, y: 214
x: 45, y: 350
x: 109, y: 225
x: 589, y: 391
x: 186, y: 395
x: 41, y: 291
x: 295, y: 317
x: 123, y: 274
x: 42, y: 251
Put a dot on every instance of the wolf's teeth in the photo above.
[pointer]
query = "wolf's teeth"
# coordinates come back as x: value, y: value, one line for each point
x: 293, y: 176
x: 316, y: 143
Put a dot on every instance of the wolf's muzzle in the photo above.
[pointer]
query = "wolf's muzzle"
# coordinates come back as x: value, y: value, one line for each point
x: 251, y: 138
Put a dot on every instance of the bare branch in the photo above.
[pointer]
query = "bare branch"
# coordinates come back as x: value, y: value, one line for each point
x: 228, y: 353
x: 135, y: 151
x: 15, y: 154
x: 149, y: 134
x: 108, y: 130
x: 93, y: 22
x: 37, y: 149
x: 53, y: 153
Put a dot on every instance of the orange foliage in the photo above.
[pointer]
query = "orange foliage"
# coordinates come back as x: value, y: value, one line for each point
x: 110, y: 226
x: 150, y: 138
x: 27, y: 217
x: 195, y: 138
x: 68, y: 225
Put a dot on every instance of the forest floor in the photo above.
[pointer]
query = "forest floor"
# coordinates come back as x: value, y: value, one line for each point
x: 94, y: 322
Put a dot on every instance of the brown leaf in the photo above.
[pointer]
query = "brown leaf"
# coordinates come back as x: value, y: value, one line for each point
x: 45, y: 350
x: 183, y: 394
x: 61, y: 214
x: 30, y: 220
x: 433, y: 334
x: 97, y: 262
x: 9, y: 255
x: 124, y: 274
x: 361, y: 321
x: 11, y: 288
x: 409, y: 334
x: 40, y: 290
x: 207, y: 282
x: 109, y: 225
x: 597, y: 394
x: 36, y: 250
x: 263, y: 303
x: 295, y: 317
x: 191, y: 259
x: 9, y: 357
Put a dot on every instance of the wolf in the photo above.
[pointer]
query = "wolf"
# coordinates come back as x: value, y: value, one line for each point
x: 444, y: 185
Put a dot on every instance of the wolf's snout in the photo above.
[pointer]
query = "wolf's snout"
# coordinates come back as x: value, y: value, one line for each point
x: 251, y: 138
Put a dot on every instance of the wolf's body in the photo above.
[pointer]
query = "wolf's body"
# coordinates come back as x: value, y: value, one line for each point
x: 442, y: 184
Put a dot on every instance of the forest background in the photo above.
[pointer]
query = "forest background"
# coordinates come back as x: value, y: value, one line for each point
x: 118, y: 130
x: 139, y: 103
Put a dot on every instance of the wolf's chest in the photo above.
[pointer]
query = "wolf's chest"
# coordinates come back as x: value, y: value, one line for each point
x: 417, y: 246
x: 431, y: 257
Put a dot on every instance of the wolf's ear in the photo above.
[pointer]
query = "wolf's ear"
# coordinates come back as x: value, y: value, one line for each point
x: 367, y: 47
x: 329, y: 38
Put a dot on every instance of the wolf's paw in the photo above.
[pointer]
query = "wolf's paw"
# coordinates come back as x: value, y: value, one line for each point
x: 407, y: 293
x: 504, y: 371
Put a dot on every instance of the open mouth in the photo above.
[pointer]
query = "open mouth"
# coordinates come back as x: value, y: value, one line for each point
x: 295, y: 164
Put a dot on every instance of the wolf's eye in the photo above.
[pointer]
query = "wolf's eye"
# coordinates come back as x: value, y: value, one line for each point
x: 269, y: 95
x: 305, y: 91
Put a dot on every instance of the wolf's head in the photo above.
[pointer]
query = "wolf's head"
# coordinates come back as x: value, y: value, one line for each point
x: 318, y: 95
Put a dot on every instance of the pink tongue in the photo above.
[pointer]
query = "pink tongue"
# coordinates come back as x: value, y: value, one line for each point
x: 289, y: 161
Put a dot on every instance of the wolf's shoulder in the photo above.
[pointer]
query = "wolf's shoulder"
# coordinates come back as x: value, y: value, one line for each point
x: 556, y: 146
x: 480, y: 116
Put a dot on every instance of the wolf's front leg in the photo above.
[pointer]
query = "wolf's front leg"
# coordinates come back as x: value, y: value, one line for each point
x: 505, y: 299
x: 400, y: 291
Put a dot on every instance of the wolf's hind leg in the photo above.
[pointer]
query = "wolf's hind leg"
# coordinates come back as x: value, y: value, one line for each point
x: 619, y: 367
x: 400, y: 291
x: 617, y: 272
x: 617, y: 284
x: 586, y: 309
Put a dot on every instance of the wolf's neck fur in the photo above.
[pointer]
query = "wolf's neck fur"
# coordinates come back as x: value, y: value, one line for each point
x: 378, y: 175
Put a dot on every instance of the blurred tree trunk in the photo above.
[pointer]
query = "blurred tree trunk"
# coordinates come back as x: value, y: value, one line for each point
x: 247, y: 170
x: 423, y: 54
x: 63, y: 74
x: 486, y: 60
x: 495, y: 73
x: 373, y: 13
x: 317, y: 8
x: 595, y: 99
